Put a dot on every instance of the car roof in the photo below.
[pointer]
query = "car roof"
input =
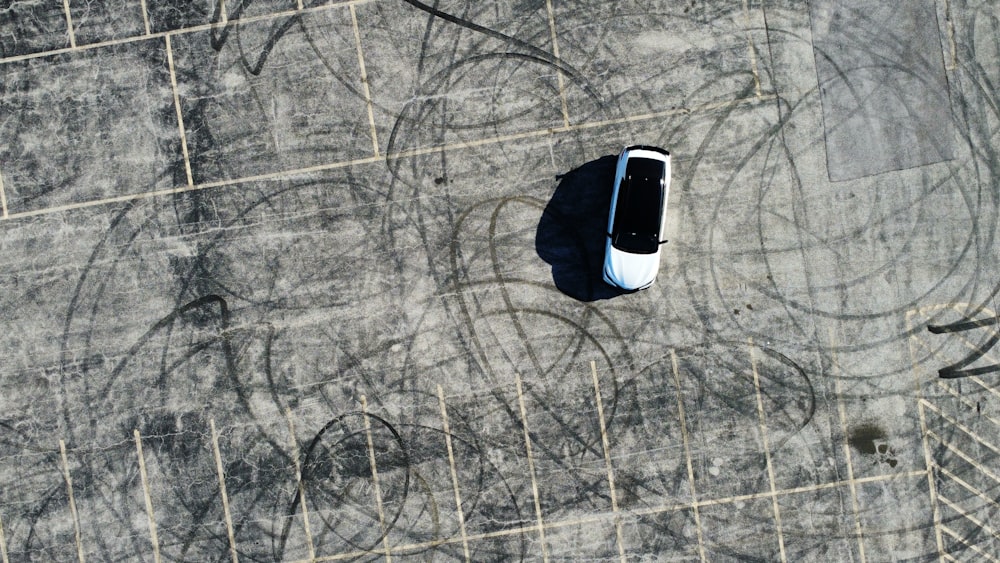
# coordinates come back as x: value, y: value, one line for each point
x: 640, y: 196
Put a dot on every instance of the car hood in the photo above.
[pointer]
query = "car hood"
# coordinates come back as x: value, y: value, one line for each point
x: 631, y: 271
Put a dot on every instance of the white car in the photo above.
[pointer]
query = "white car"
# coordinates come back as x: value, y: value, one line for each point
x: 637, y: 221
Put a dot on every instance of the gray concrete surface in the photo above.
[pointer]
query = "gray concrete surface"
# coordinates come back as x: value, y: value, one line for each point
x: 318, y: 282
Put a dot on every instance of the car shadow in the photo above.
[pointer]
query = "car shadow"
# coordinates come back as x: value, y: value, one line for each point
x: 570, y: 235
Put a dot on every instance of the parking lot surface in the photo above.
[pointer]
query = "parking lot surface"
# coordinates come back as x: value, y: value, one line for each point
x: 297, y: 281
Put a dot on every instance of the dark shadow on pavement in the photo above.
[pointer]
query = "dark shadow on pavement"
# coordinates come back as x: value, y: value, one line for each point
x: 570, y: 235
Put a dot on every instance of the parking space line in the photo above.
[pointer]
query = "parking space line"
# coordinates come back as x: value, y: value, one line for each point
x: 750, y: 48
x: 957, y: 451
x: 3, y: 198
x: 364, y: 78
x: 953, y: 62
x: 69, y: 25
x: 3, y: 544
x: 72, y: 500
x: 375, y: 483
x: 987, y: 500
x: 955, y: 423
x: 555, y: 52
x: 966, y: 401
x: 607, y: 461
x: 193, y: 29
x: 454, y: 474
x: 180, y: 115
x: 531, y: 467
x: 842, y: 411
x: 223, y: 17
x: 982, y: 525
x: 149, y: 499
x: 686, y: 440
x: 222, y: 490
x: 420, y: 546
x: 767, y: 450
x: 968, y: 545
x: 145, y: 16
x: 928, y: 459
x: 302, y: 489
x: 382, y: 158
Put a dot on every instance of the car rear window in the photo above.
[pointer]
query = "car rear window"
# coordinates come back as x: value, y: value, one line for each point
x: 637, y: 212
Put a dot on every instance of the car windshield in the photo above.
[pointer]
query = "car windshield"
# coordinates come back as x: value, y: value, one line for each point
x: 638, y: 209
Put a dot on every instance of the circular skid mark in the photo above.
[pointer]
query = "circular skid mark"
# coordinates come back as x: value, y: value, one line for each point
x: 807, y: 252
x: 414, y: 486
x: 514, y: 322
x: 571, y: 232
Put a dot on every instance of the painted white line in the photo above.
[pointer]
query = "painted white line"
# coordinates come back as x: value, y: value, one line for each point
x: 842, y: 411
x: 531, y: 468
x: 375, y: 482
x: 454, y: 474
x: 555, y: 52
x: 72, y: 501
x: 283, y: 174
x: 364, y: 79
x: 180, y: 115
x: 149, y: 499
x: 964, y: 541
x: 145, y: 16
x: 3, y: 198
x: 751, y: 50
x: 607, y: 461
x: 767, y: 451
x: 3, y: 544
x: 222, y: 491
x: 302, y: 489
x: 686, y: 439
x: 603, y: 517
x: 69, y: 25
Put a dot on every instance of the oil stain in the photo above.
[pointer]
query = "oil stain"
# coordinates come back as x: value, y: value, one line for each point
x: 871, y: 439
x: 864, y: 436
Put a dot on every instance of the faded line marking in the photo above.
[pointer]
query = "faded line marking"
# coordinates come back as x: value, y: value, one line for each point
x: 149, y: 499
x: 767, y: 451
x: 180, y: 116
x: 302, y: 488
x: 364, y: 78
x: 928, y: 460
x: 607, y: 461
x: 596, y: 518
x: 685, y: 438
x: 988, y: 502
x: 72, y: 500
x: 3, y: 199
x: 750, y: 49
x: 983, y: 525
x: 964, y: 542
x: 145, y: 16
x: 963, y: 399
x: 375, y: 482
x: 842, y: 410
x: 954, y: 422
x: 3, y: 544
x: 401, y: 154
x: 454, y: 474
x: 69, y: 25
x: 222, y: 12
x: 987, y: 472
x: 185, y: 31
x: 531, y: 467
x: 222, y: 490
x: 555, y: 53
x: 953, y: 63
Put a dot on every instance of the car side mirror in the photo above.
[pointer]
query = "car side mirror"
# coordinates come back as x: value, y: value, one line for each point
x: 663, y: 242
